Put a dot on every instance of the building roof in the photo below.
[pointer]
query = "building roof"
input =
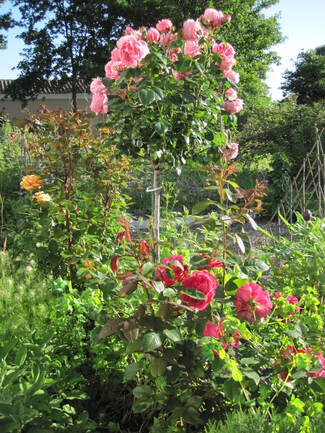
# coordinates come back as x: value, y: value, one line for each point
x: 52, y: 87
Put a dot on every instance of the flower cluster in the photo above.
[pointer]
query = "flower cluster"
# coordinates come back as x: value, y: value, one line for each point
x: 136, y: 45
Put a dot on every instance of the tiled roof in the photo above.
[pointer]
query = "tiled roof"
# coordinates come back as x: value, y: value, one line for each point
x: 51, y: 87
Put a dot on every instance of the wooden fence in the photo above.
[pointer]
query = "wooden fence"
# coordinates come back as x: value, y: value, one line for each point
x: 307, y: 189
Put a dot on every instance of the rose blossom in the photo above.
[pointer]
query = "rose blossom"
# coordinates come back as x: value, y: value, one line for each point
x: 213, y: 330
x: 203, y: 282
x: 153, y: 35
x: 162, y: 273
x: 234, y: 150
x: 252, y: 302
x: 294, y: 301
x: 233, y: 107
x: 179, y: 76
x: 31, y: 182
x: 213, y: 17
x: 167, y: 38
x: 192, y: 30
x: 224, y: 49
x: 212, y: 262
x: 231, y: 94
x: 41, y: 197
x: 172, y: 53
x: 232, y: 76
x: 100, y: 96
x: 191, y: 48
x: 132, y: 51
x: 164, y: 26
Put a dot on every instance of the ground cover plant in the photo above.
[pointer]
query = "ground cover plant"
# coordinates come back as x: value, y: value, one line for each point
x: 193, y: 330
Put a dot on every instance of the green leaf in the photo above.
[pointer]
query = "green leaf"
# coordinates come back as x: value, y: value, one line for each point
x: 21, y: 356
x: 134, y: 346
x: 131, y: 371
x: 240, y: 243
x: 147, y: 268
x: 142, y: 391
x: 6, y: 409
x: 161, y: 127
x: 157, y: 367
x: 158, y: 286
x: 151, y: 342
x: 233, y: 391
x: 252, y: 375
x: 202, y: 205
x: 140, y: 406
x: 147, y: 96
x: 252, y: 222
x: 193, y: 293
x: 172, y: 334
x: 176, y: 263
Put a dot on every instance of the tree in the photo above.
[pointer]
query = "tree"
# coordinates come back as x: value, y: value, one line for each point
x: 75, y: 39
x: 5, y: 24
x: 65, y: 46
x: 307, y: 81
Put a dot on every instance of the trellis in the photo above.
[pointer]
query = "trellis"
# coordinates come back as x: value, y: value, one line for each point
x: 307, y: 186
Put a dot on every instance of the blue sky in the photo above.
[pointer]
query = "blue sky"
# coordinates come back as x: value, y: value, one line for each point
x: 302, y: 23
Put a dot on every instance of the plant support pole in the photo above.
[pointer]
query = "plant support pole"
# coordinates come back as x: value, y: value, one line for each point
x: 155, y: 190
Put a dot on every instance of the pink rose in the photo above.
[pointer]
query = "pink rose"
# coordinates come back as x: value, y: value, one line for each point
x: 278, y: 295
x: 132, y: 51
x: 99, y: 103
x: 112, y: 70
x: 232, y: 151
x: 172, y: 54
x: 192, y: 48
x: 167, y: 38
x: 231, y: 94
x: 232, y: 76
x: 164, y: 26
x: 129, y: 31
x: 178, y: 76
x: 227, y: 18
x: 252, y: 302
x: 153, y: 35
x: 224, y: 49
x: 201, y: 281
x: 97, y: 86
x: 213, y: 17
x: 175, y: 274
x: 234, y: 106
x: 192, y: 30
x: 226, y: 64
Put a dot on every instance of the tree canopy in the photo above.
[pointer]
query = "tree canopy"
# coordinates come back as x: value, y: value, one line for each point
x: 5, y: 24
x: 307, y: 80
x: 72, y: 39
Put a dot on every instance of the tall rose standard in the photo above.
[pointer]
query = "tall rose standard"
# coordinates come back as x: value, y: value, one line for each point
x: 168, y: 92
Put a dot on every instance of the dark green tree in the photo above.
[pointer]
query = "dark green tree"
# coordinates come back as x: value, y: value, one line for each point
x: 5, y: 23
x: 307, y: 80
x: 72, y: 39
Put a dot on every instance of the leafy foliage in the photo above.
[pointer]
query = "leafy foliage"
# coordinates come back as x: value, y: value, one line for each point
x: 307, y: 81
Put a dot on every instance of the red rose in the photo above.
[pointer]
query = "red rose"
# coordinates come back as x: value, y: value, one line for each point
x: 213, y: 330
x: 177, y: 272
x: 252, y: 303
x: 213, y: 263
x: 203, y: 282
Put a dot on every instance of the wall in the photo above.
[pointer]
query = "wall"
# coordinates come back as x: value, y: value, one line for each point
x: 54, y: 102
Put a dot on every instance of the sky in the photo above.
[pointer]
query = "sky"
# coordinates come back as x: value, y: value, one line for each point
x: 302, y: 23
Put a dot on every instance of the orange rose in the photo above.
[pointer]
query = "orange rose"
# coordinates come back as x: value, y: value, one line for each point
x: 31, y: 182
